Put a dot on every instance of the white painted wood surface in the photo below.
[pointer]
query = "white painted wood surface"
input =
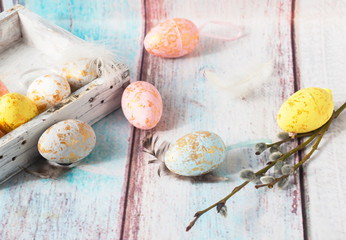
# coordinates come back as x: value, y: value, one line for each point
x: 66, y: 209
x: 161, y: 208
x: 321, y: 57
x: 92, y: 197
x: 41, y: 44
x: 10, y: 31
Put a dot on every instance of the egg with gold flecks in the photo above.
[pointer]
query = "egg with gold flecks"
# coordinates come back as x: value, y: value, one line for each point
x: 48, y: 90
x: 79, y: 73
x: 142, y: 105
x: 306, y: 110
x: 15, y: 110
x: 172, y: 38
x: 67, y: 142
x: 195, y: 154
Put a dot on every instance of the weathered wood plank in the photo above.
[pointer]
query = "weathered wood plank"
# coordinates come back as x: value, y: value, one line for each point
x: 320, y: 39
x: 10, y: 31
x: 34, y: 52
x: 87, y: 202
x: 161, y: 208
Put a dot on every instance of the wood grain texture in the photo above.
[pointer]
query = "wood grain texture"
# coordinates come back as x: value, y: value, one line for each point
x: 40, y: 45
x: 10, y: 31
x: 161, y: 208
x: 321, y: 59
x: 87, y: 202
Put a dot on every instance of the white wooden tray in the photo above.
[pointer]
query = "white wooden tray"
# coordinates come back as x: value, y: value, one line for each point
x: 28, y: 42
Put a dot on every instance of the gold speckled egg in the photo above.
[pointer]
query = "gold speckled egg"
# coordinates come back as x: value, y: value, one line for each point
x: 306, y: 110
x: 195, y: 154
x: 67, y: 142
x: 142, y: 105
x: 172, y: 38
x: 48, y: 90
x: 15, y: 110
x: 78, y: 73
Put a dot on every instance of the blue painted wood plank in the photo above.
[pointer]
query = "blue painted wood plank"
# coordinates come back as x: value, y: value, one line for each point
x: 87, y: 202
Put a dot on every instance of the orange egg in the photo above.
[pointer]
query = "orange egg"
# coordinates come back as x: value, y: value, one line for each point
x: 173, y: 38
x: 3, y: 89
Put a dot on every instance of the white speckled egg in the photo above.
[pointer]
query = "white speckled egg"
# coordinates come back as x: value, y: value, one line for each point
x: 142, y: 105
x: 78, y: 73
x: 48, y: 90
x: 195, y: 154
x: 67, y: 142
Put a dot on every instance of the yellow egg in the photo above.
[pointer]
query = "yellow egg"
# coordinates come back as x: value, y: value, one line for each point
x: 306, y: 110
x: 15, y: 110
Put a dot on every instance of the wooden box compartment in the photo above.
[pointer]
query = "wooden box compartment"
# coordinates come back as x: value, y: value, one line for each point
x: 28, y: 42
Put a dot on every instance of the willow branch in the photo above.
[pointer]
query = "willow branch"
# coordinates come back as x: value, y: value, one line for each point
x: 271, y: 185
x: 261, y: 171
x: 313, y: 135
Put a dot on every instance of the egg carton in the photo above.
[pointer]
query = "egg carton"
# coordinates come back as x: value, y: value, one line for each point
x: 29, y: 43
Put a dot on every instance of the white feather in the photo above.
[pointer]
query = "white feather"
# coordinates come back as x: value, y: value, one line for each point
x: 101, y: 58
x: 241, y: 84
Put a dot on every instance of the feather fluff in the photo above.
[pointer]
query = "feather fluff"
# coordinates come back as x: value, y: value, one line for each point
x: 243, y: 83
x: 101, y: 59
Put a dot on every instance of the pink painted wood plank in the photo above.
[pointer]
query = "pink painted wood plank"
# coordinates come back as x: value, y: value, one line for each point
x: 88, y: 201
x: 161, y: 207
x: 321, y: 59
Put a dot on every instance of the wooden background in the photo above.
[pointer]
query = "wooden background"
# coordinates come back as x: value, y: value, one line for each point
x: 115, y: 194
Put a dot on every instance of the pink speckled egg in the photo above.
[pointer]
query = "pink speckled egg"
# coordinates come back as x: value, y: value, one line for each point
x: 48, y: 90
x: 3, y: 89
x: 67, y: 142
x: 142, y: 105
x: 173, y: 38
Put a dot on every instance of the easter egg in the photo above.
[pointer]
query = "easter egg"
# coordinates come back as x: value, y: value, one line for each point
x: 48, y: 90
x: 15, y: 110
x: 195, y: 154
x: 142, y: 105
x: 3, y: 89
x: 78, y: 73
x: 306, y: 110
x: 173, y: 38
x: 67, y: 142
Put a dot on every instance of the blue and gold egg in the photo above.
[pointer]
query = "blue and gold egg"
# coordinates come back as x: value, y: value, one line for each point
x: 195, y: 154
